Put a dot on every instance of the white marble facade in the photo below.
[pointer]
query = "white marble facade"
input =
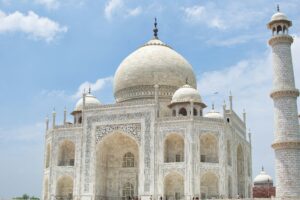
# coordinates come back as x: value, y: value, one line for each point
x: 154, y: 142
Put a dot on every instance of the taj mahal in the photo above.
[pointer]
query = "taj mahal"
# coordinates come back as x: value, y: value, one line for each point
x: 159, y: 140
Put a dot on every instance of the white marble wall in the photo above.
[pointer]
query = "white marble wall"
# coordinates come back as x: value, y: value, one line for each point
x: 139, y: 123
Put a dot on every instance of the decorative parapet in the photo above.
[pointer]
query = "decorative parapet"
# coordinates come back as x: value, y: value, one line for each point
x: 281, y: 38
x: 284, y: 93
x: 64, y: 126
x: 286, y: 145
x: 188, y: 118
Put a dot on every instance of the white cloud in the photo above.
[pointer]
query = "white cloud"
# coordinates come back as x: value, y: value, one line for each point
x: 111, y: 7
x: 239, y: 39
x: 218, y: 16
x: 96, y: 86
x: 50, y: 4
x: 199, y: 13
x: 134, y: 12
x: 250, y: 82
x: 33, y: 25
x: 120, y: 8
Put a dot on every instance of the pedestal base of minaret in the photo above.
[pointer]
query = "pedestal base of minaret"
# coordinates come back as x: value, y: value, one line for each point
x: 287, y: 163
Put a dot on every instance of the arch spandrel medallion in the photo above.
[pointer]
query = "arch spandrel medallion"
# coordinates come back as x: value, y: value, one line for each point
x: 133, y: 130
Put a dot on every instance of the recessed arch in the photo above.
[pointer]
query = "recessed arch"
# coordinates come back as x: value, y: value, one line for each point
x: 174, y: 186
x: 66, y: 153
x: 127, y: 191
x: 229, y: 187
x: 273, y: 31
x: 249, y: 166
x: 174, y: 148
x: 117, y: 166
x: 279, y: 29
x: 195, y: 112
x: 48, y: 153
x: 64, y: 188
x: 249, y: 190
x: 209, y: 148
x: 209, y: 186
x: 46, y: 189
x: 240, y: 171
x: 183, y: 112
x: 229, y: 158
x: 284, y: 29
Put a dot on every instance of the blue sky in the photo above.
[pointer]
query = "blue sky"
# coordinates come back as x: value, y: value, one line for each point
x: 51, y: 49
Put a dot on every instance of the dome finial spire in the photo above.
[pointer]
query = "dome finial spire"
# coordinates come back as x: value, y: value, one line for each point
x: 262, y: 168
x: 278, y: 9
x: 90, y: 89
x: 155, y: 30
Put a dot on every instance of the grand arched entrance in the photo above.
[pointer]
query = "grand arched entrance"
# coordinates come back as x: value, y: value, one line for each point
x: 117, y: 165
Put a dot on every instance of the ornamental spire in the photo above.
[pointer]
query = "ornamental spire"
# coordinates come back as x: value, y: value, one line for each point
x: 155, y: 30
x: 278, y: 9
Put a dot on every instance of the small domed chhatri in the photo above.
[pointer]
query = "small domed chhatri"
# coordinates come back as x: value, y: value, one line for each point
x: 279, y: 18
x: 263, y: 178
x: 90, y: 100
x: 186, y: 94
x: 263, y: 185
x: 213, y: 113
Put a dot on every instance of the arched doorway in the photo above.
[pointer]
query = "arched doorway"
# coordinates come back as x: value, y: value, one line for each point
x: 174, y: 148
x: 64, y: 188
x: 209, y: 148
x: 209, y: 186
x: 66, y: 154
x: 182, y: 112
x: 127, y: 191
x: 117, y: 165
x: 240, y: 172
x: 46, y: 189
x: 174, y: 186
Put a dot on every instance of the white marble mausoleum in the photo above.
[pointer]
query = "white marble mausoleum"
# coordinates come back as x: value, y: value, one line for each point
x: 155, y: 140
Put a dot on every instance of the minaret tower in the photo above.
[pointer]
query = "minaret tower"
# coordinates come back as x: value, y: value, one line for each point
x: 284, y: 95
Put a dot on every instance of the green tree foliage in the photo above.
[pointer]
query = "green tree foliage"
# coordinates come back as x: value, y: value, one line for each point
x: 26, y: 197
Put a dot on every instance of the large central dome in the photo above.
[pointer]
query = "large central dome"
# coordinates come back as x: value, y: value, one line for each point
x: 155, y: 63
